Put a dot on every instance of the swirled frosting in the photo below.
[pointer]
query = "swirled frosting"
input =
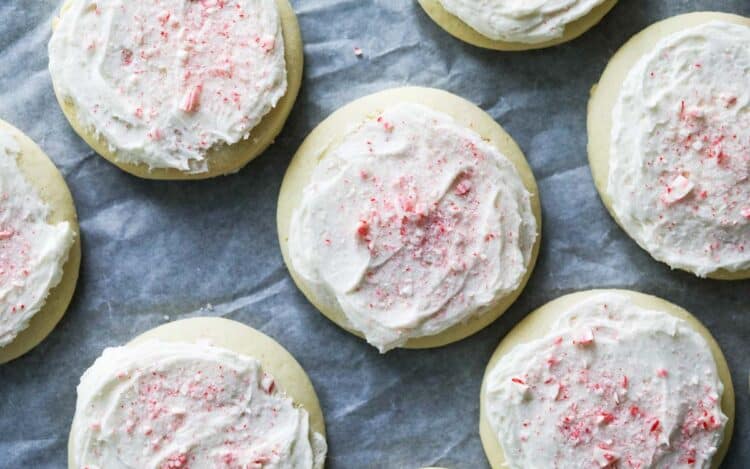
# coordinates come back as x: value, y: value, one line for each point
x: 523, y: 21
x: 32, y: 251
x: 612, y: 385
x: 679, y: 176
x: 411, y: 225
x: 166, y: 405
x: 165, y: 81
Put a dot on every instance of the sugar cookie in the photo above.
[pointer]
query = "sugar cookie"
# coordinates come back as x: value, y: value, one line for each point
x: 410, y: 217
x: 517, y: 25
x: 40, y: 251
x: 607, y: 376
x: 668, y: 137
x: 177, y: 89
x: 200, y: 393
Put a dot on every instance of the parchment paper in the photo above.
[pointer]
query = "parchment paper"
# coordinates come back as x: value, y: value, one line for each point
x: 159, y: 251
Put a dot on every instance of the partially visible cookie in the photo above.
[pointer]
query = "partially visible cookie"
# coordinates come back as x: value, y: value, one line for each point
x: 204, y: 392
x: 517, y: 25
x: 177, y: 89
x: 40, y: 249
x: 668, y: 142
x: 410, y: 217
x: 607, y: 378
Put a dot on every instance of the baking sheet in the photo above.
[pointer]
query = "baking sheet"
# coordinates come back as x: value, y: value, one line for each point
x: 158, y: 251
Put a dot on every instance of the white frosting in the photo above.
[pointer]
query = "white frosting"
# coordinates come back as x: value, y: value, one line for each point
x: 524, y: 21
x: 32, y: 252
x: 166, y: 405
x: 163, y: 82
x: 411, y: 225
x: 679, y: 176
x: 611, y: 385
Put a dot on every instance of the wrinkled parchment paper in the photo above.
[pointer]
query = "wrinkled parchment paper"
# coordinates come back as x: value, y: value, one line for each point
x: 158, y: 251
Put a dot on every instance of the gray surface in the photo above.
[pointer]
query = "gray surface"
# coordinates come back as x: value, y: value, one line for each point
x: 154, y: 248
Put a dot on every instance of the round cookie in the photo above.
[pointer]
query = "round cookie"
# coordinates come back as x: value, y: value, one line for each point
x: 604, y: 95
x: 332, y: 130
x: 537, y: 324
x: 223, y: 159
x: 459, y: 29
x: 42, y: 174
x: 244, y: 340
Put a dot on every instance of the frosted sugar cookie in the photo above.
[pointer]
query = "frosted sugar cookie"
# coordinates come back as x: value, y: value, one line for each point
x: 177, y: 89
x: 198, y: 393
x: 409, y: 217
x: 513, y: 25
x: 668, y: 142
x: 39, y: 248
x: 607, y: 378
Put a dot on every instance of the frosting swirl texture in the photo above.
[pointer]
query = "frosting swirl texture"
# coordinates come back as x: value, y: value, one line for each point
x: 524, y: 21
